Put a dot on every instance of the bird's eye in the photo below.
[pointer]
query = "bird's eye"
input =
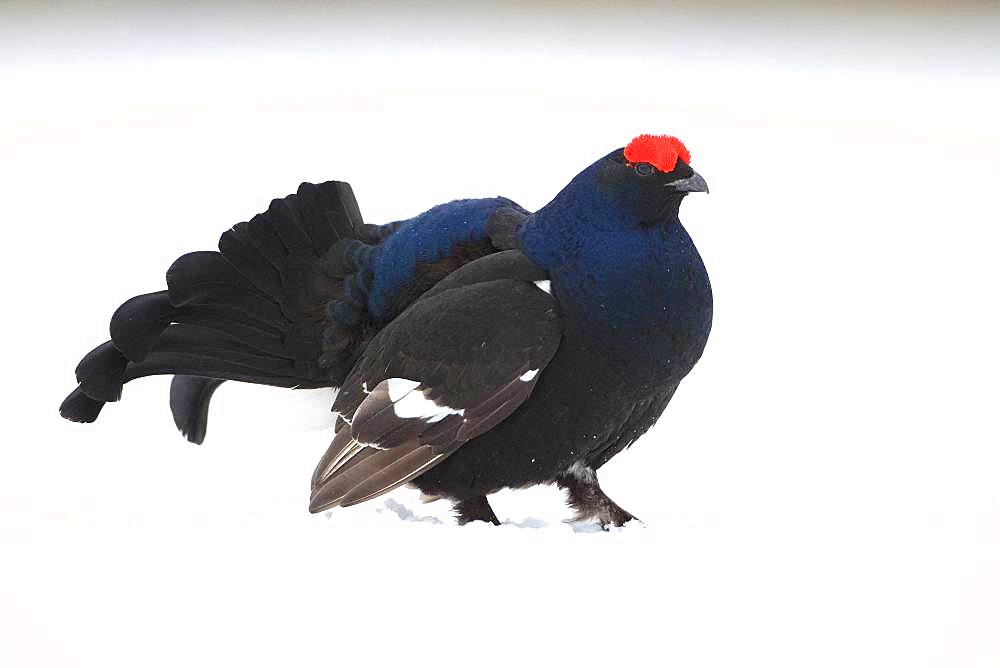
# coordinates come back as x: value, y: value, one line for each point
x: 644, y: 169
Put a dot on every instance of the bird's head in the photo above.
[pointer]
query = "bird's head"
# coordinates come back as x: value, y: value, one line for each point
x: 617, y: 206
x: 648, y: 178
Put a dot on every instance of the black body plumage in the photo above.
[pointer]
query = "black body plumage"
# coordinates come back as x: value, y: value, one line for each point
x: 475, y: 347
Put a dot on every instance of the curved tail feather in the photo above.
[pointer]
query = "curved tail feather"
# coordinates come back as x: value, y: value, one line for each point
x: 78, y: 407
x: 189, y: 400
x: 258, y: 310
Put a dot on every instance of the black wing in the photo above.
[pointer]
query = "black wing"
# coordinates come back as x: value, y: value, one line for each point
x: 451, y: 367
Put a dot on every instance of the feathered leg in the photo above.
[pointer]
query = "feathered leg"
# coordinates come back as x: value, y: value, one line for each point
x: 473, y: 509
x: 587, y: 498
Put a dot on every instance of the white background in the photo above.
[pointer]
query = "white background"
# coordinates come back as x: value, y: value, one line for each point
x: 823, y: 489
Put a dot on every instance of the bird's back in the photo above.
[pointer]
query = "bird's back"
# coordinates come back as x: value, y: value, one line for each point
x: 418, y: 252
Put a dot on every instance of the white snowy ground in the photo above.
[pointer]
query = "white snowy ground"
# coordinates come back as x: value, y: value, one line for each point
x: 821, y: 492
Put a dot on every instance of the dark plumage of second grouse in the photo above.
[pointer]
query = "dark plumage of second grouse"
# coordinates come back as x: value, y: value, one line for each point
x: 475, y: 347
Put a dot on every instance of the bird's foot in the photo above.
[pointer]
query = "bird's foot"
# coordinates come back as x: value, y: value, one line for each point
x: 607, y: 514
x: 589, y: 501
x: 610, y: 514
x: 473, y: 509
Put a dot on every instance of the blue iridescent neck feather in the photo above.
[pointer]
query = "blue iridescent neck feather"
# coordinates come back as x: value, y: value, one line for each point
x: 624, y: 270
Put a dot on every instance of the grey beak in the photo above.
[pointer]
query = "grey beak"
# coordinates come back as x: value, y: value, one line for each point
x: 692, y: 184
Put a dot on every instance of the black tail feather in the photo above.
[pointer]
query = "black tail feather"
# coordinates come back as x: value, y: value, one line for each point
x: 138, y: 323
x: 244, y: 255
x: 192, y: 350
x: 78, y: 407
x: 100, y: 372
x: 253, y: 312
x: 206, y: 278
x: 189, y: 400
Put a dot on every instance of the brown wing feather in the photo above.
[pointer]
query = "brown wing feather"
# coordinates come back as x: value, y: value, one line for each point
x: 339, y: 448
x: 388, y: 478
x: 371, y: 472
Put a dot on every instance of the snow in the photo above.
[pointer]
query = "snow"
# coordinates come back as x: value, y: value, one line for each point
x: 822, y: 490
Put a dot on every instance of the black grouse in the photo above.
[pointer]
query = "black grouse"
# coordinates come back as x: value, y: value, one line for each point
x: 476, y: 346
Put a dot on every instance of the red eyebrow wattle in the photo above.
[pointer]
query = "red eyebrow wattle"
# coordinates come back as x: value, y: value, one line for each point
x: 661, y: 151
